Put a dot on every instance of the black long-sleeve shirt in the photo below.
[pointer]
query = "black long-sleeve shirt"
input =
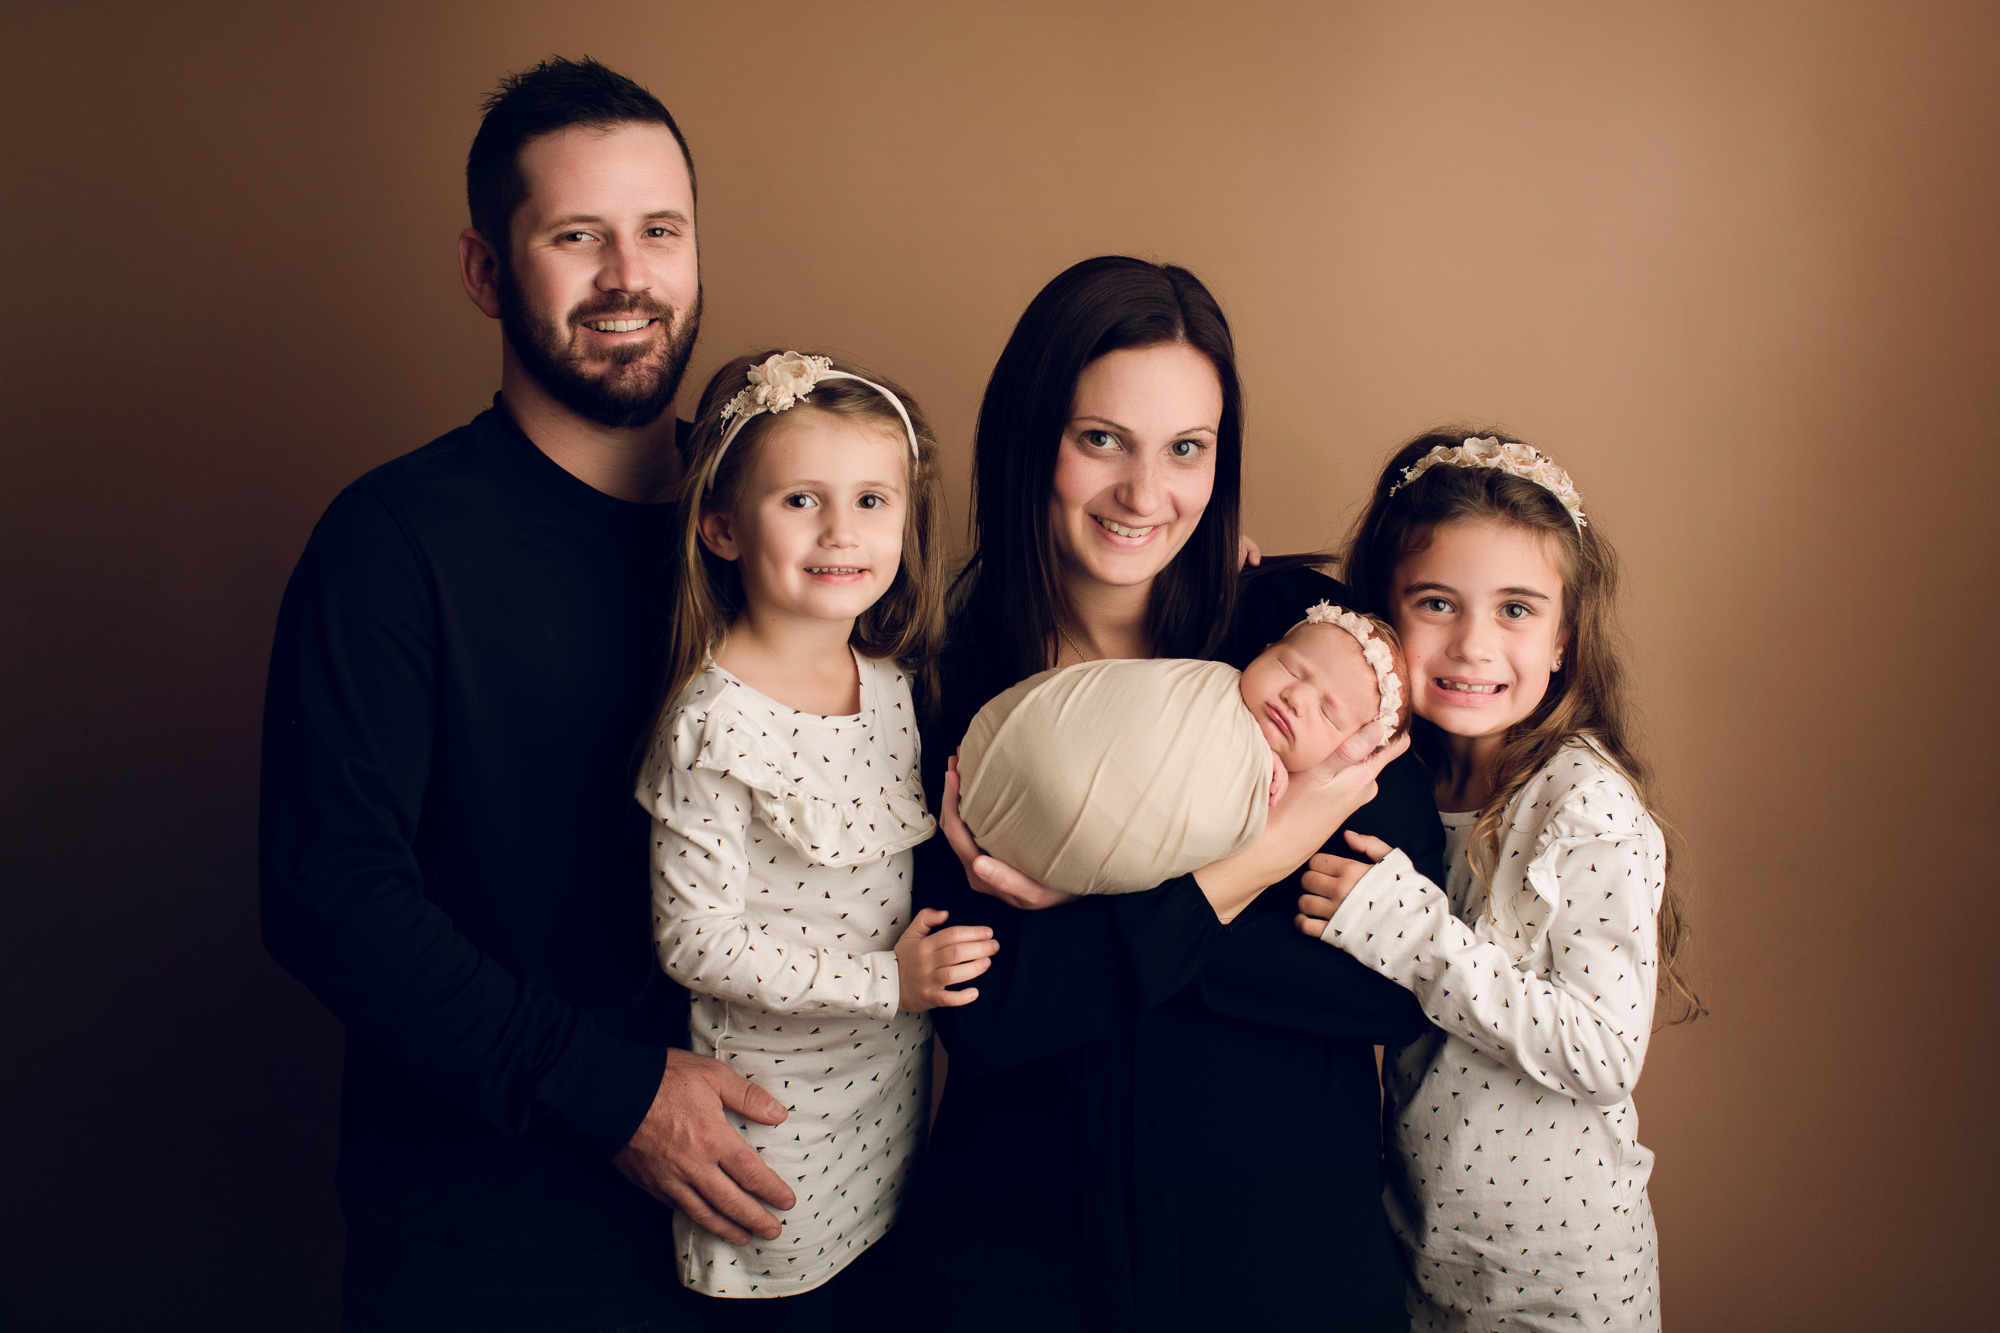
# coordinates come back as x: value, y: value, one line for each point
x: 467, y: 658
x: 1152, y: 1116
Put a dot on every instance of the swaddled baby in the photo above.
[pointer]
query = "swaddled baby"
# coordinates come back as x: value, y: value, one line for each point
x: 1115, y: 776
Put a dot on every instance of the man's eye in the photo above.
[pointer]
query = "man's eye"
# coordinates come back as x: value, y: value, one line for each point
x: 574, y: 236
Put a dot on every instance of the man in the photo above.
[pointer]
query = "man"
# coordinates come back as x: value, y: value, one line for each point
x: 466, y: 666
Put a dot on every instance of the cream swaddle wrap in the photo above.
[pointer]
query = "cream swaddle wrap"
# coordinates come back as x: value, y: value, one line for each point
x: 1115, y: 776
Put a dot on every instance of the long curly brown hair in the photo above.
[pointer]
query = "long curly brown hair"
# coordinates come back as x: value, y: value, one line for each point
x: 1589, y: 697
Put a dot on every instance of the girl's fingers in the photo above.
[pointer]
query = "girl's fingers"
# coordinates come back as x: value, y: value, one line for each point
x: 962, y: 934
x: 951, y: 999
x: 1312, y: 904
x: 1372, y: 848
x: 952, y: 976
x: 1310, y: 925
x: 965, y: 952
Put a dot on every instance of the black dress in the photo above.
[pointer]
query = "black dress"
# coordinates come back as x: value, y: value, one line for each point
x: 1155, y: 1120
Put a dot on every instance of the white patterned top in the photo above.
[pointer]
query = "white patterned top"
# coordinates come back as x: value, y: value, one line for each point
x: 781, y: 882
x: 1521, y: 1194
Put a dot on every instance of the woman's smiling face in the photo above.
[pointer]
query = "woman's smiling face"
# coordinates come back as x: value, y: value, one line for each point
x: 1480, y: 615
x: 1136, y: 464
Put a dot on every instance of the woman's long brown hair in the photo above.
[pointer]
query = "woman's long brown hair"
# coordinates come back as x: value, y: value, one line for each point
x: 1589, y: 697
x: 906, y: 623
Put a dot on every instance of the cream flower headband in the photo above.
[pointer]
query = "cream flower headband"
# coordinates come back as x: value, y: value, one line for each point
x: 1521, y: 460
x: 1387, y: 683
x: 777, y: 386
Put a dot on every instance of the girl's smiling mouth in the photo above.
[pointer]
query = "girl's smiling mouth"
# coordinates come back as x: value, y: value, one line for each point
x: 1460, y: 690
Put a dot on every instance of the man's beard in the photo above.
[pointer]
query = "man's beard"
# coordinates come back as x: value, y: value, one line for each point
x: 633, y: 385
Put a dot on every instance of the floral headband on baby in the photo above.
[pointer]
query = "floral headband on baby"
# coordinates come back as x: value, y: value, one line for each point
x: 1387, y: 683
x: 778, y: 385
x: 1520, y: 460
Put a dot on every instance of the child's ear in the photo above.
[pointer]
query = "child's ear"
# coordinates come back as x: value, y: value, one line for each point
x: 718, y: 534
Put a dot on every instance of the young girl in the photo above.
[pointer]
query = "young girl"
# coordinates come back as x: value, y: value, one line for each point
x: 1519, y: 1183
x: 783, y: 787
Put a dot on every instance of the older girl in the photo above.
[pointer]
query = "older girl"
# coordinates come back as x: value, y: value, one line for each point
x: 1161, y: 1112
x: 1519, y: 1182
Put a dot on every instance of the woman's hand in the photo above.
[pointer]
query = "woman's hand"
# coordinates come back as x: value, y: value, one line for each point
x: 1329, y: 879
x: 1319, y: 800
x: 929, y: 961
x: 984, y: 873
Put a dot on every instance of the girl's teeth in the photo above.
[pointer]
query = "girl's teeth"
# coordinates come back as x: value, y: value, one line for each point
x: 1468, y: 689
x: 1124, y: 531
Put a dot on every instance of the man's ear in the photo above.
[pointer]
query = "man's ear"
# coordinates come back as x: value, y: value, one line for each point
x: 718, y: 534
x: 479, y: 270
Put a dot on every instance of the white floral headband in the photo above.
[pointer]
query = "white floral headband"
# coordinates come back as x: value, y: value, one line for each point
x: 1387, y: 683
x: 1521, y: 460
x: 777, y: 386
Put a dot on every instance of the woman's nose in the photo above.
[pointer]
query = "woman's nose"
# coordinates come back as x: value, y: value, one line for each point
x: 1140, y: 488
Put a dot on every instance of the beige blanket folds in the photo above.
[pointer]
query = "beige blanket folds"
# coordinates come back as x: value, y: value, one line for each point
x: 1115, y: 776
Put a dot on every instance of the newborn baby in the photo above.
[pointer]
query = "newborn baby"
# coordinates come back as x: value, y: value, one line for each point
x: 1115, y: 776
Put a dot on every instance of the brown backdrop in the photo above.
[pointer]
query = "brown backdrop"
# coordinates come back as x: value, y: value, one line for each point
x: 1734, y: 265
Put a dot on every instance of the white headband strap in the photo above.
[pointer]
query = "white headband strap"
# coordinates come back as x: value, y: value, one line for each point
x: 1520, y: 460
x: 778, y: 384
x: 1388, y: 685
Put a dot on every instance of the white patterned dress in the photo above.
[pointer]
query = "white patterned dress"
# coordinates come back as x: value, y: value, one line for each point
x: 1521, y: 1195
x: 781, y: 882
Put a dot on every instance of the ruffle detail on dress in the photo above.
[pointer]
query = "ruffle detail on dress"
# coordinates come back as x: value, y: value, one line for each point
x: 823, y: 829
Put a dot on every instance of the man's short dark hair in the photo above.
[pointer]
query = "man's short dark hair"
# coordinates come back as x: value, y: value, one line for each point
x: 554, y: 95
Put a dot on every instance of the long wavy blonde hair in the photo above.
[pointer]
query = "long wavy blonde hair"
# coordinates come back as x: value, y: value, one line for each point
x: 1589, y: 697
x: 905, y: 624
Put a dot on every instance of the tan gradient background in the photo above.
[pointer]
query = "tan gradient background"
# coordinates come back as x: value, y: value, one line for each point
x: 1734, y: 264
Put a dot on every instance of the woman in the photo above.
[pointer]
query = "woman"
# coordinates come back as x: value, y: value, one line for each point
x: 1161, y: 1109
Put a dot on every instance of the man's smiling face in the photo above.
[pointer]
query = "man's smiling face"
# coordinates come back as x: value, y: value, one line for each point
x: 601, y: 292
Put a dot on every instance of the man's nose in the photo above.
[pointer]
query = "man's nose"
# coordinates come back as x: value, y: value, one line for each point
x: 623, y: 269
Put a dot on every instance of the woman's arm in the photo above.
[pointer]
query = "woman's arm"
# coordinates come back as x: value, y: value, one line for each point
x: 1581, y: 1027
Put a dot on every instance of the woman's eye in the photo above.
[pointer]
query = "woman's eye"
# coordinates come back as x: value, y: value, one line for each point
x: 1185, y: 448
x: 1099, y: 439
x: 799, y: 501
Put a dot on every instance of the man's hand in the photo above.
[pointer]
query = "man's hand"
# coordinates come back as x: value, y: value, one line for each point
x: 1329, y: 879
x: 928, y: 960
x: 984, y: 873
x: 686, y: 1154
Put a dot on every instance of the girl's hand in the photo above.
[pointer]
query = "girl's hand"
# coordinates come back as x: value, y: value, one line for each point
x: 1319, y: 800
x: 1329, y: 879
x: 1247, y: 552
x: 985, y: 873
x: 929, y: 960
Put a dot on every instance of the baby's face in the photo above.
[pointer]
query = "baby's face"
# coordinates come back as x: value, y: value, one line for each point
x: 1310, y: 691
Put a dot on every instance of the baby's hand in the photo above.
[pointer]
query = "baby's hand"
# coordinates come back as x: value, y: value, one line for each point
x: 1329, y: 879
x: 1281, y: 777
x: 929, y: 962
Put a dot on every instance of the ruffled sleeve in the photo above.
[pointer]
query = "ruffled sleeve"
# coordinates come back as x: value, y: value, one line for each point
x: 1557, y: 979
x: 787, y: 793
x: 697, y: 786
